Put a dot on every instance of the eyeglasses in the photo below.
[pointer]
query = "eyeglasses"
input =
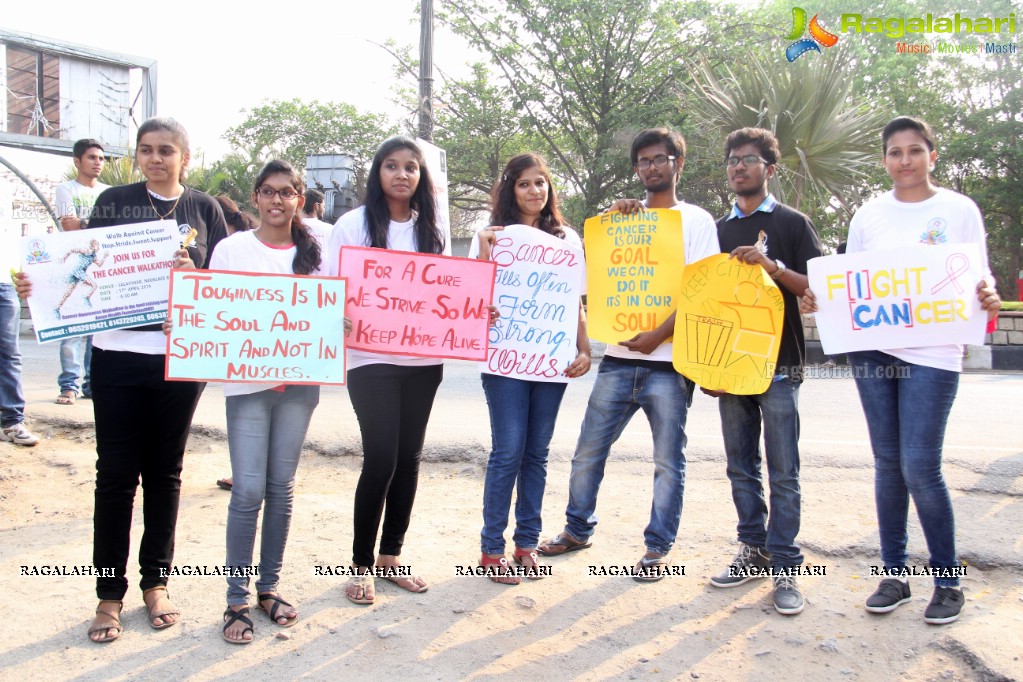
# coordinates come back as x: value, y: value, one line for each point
x: 660, y: 161
x: 286, y: 193
x: 748, y: 160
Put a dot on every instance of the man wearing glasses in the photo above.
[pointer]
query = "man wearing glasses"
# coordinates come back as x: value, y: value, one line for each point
x: 637, y: 374
x: 760, y: 230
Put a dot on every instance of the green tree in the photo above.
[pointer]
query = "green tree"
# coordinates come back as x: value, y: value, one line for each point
x: 293, y: 129
x: 585, y: 76
x: 827, y: 138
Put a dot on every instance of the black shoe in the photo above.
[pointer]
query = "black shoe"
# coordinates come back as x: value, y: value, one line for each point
x: 749, y: 563
x: 788, y: 600
x: 946, y: 603
x: 889, y: 595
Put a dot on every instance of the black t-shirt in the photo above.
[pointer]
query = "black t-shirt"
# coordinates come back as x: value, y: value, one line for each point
x: 127, y: 204
x: 791, y: 238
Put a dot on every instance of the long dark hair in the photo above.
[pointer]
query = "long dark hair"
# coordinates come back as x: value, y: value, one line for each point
x: 237, y: 219
x: 378, y: 216
x: 505, y: 209
x: 307, y: 249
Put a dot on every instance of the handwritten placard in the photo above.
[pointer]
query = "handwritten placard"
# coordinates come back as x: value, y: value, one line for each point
x: 898, y: 298
x: 730, y: 316
x: 88, y: 281
x: 536, y: 290
x: 404, y: 303
x: 256, y: 328
x: 635, y: 265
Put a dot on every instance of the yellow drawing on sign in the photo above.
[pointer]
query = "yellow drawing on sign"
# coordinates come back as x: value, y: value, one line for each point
x: 634, y: 262
x: 728, y: 326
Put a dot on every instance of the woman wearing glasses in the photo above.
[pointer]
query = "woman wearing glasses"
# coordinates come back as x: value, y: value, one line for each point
x: 907, y: 393
x: 392, y: 395
x: 522, y: 413
x: 266, y: 423
x: 142, y: 421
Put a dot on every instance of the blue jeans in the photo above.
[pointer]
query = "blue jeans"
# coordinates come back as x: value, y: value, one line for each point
x: 620, y: 390
x: 72, y: 365
x: 265, y: 433
x: 907, y: 408
x: 522, y: 417
x: 741, y: 418
x: 12, y: 400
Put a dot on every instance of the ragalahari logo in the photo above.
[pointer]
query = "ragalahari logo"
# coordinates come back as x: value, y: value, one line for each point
x: 818, y: 36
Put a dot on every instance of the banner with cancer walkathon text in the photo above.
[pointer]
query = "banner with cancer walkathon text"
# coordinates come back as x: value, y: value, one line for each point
x: 898, y: 298
x: 89, y: 281
x: 635, y: 269
x: 424, y: 305
x: 537, y: 288
x: 250, y: 327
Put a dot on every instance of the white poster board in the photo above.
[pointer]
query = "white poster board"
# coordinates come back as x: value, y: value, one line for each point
x: 89, y: 281
x: 898, y: 298
x: 537, y: 287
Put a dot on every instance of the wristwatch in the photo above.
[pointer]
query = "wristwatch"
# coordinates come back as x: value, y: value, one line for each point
x: 776, y: 275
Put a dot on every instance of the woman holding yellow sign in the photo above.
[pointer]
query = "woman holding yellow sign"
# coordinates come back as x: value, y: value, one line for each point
x: 522, y: 412
x: 907, y: 393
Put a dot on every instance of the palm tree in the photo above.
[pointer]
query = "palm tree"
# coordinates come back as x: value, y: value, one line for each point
x: 120, y: 171
x: 828, y: 140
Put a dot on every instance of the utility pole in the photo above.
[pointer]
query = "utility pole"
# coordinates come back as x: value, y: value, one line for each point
x: 426, y: 70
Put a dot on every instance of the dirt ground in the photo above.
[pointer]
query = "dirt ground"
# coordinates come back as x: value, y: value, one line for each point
x: 569, y: 626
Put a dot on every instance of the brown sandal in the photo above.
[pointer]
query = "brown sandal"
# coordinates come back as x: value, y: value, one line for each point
x: 563, y: 543
x: 66, y: 397
x: 114, y: 622
x: 154, y: 614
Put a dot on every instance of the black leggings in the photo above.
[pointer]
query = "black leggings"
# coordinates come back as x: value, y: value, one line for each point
x: 392, y: 403
x: 142, y: 424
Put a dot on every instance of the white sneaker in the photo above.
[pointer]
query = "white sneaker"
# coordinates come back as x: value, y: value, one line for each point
x: 19, y: 435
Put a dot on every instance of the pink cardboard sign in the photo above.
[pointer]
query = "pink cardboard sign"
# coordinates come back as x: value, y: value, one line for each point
x: 404, y: 303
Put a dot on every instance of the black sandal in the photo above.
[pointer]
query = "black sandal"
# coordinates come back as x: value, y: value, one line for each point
x: 230, y: 618
x: 278, y: 602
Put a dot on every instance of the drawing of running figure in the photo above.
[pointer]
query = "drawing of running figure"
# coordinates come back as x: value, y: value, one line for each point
x: 79, y: 275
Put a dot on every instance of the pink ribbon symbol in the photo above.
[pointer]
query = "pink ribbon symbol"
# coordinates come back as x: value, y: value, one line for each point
x: 956, y: 265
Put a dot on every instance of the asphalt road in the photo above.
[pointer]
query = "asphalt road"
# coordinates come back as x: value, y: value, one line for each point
x: 983, y: 444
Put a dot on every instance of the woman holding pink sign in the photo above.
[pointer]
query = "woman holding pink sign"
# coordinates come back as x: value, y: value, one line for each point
x: 522, y: 412
x: 392, y: 395
x: 907, y: 393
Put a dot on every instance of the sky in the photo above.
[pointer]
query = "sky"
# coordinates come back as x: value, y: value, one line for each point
x: 216, y: 59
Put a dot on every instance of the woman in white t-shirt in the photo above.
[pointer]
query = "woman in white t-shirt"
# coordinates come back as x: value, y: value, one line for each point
x: 266, y: 423
x: 522, y: 413
x: 907, y: 393
x: 392, y: 395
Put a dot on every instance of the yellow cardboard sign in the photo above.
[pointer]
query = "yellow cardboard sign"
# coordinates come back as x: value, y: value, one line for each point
x: 728, y: 327
x: 634, y: 263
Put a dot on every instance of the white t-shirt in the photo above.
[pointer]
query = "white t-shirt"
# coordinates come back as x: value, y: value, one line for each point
x: 945, y: 218
x: 244, y: 252
x: 350, y: 230
x: 700, y: 238
x: 75, y: 199
x: 318, y: 227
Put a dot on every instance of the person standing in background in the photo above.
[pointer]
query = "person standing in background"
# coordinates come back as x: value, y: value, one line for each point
x: 75, y: 199
x: 12, y: 399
